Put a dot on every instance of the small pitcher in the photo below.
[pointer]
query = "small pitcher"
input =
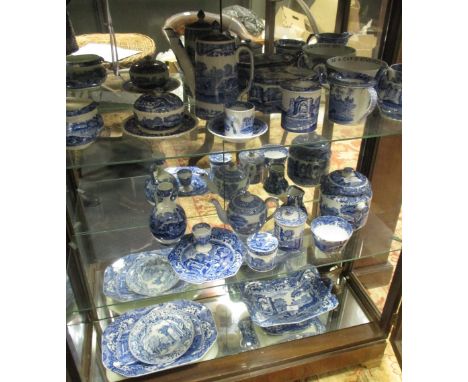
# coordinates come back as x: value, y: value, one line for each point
x: 295, y: 197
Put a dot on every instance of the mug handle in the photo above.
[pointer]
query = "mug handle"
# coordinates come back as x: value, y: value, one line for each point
x: 310, y: 37
x: 372, y: 102
x: 321, y: 70
x: 251, y: 75
x: 276, y: 202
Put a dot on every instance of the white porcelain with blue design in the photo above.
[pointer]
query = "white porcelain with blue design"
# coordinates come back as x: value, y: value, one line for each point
x: 262, y: 248
x: 239, y: 119
x: 390, y: 92
x: 83, y: 123
x: 216, y: 126
x: 197, y: 260
x: 314, y: 56
x: 346, y: 193
x: 168, y: 221
x: 330, y: 38
x: 352, y: 97
x: 117, y: 357
x: 151, y: 276
x: 314, y: 325
x: 228, y: 180
x: 289, y: 228
x: 246, y: 213
x: 331, y: 233
x: 161, y: 336
x: 159, y: 175
x: 274, y: 154
x: 356, y: 64
x: 300, y: 104
x: 291, y: 299
x: 158, y: 112
x: 253, y: 161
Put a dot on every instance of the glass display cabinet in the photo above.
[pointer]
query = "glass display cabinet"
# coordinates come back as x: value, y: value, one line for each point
x: 108, y: 211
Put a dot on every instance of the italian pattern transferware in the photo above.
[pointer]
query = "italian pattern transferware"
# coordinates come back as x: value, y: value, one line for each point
x: 315, y: 324
x: 115, y: 284
x: 222, y: 260
x: 116, y: 355
x: 216, y: 127
x: 161, y: 336
x: 292, y: 299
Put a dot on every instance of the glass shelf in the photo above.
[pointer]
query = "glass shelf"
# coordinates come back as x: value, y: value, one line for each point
x: 228, y: 312
x: 113, y: 148
x: 101, y: 249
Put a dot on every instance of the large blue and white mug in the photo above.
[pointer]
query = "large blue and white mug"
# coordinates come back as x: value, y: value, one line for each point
x: 352, y: 97
x: 300, y: 105
x: 239, y: 119
x: 390, y: 92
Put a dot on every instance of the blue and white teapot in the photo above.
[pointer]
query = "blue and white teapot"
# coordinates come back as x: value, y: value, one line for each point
x: 246, y: 213
x: 346, y: 193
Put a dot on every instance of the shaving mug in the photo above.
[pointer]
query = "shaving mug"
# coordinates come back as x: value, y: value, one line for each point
x: 352, y: 97
x: 239, y: 119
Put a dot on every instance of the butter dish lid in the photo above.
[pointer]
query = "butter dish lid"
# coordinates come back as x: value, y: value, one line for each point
x: 346, y: 181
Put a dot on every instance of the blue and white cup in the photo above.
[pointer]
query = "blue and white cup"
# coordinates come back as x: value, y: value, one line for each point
x: 239, y: 119
x: 262, y: 249
x: 331, y: 233
x: 184, y: 175
x: 390, y: 92
x: 300, y: 106
x: 352, y: 97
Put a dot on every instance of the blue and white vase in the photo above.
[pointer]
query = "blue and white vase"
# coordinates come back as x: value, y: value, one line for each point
x: 168, y: 221
x: 246, y: 213
x: 309, y: 159
x: 289, y: 228
x: 346, y: 193
x: 390, y: 92
x: 300, y: 105
x: 352, y: 97
x: 252, y: 162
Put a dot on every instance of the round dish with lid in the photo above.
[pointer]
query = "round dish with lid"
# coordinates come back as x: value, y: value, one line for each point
x: 158, y: 112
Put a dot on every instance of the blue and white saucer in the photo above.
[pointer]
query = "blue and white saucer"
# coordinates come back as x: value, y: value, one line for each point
x: 197, y: 187
x: 216, y: 127
x: 151, y: 276
x: 131, y: 128
x: 313, y: 324
x: 161, y: 336
x: 116, y: 355
x: 292, y: 299
x: 115, y: 284
x: 223, y: 260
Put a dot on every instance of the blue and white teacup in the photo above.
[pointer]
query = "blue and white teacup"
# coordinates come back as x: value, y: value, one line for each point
x: 390, y: 92
x: 330, y: 38
x: 352, y: 97
x: 239, y: 119
x: 202, y: 235
x: 262, y: 249
x: 331, y: 233
x: 300, y: 105
x: 184, y: 175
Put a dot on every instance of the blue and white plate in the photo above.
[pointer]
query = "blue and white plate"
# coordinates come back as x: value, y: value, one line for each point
x: 115, y: 284
x: 161, y: 336
x: 315, y: 324
x: 223, y: 260
x: 116, y: 355
x: 288, y: 300
x: 131, y: 127
x: 151, y: 276
x: 198, y: 185
x: 216, y: 127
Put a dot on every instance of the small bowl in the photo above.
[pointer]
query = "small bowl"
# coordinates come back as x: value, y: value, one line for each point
x: 158, y: 112
x: 83, y: 123
x: 262, y: 248
x: 85, y: 71
x: 331, y: 233
x: 149, y: 73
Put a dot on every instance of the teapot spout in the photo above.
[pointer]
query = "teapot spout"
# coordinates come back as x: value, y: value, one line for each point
x: 182, y: 57
x: 219, y: 210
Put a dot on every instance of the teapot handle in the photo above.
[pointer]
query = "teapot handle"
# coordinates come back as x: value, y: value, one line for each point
x: 276, y: 202
x: 239, y: 50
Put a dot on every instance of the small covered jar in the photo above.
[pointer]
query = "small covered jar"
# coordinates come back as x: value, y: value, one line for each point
x: 149, y: 73
x: 85, y: 71
x: 309, y: 159
x: 346, y: 193
x: 158, y: 112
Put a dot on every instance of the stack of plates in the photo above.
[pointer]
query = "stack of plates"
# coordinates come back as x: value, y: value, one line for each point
x: 289, y: 303
x: 141, y: 275
x: 156, y: 338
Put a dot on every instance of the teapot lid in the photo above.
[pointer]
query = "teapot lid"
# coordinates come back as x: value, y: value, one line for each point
x: 200, y: 23
x: 290, y: 216
x: 148, y: 65
x: 246, y: 201
x: 346, y: 181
